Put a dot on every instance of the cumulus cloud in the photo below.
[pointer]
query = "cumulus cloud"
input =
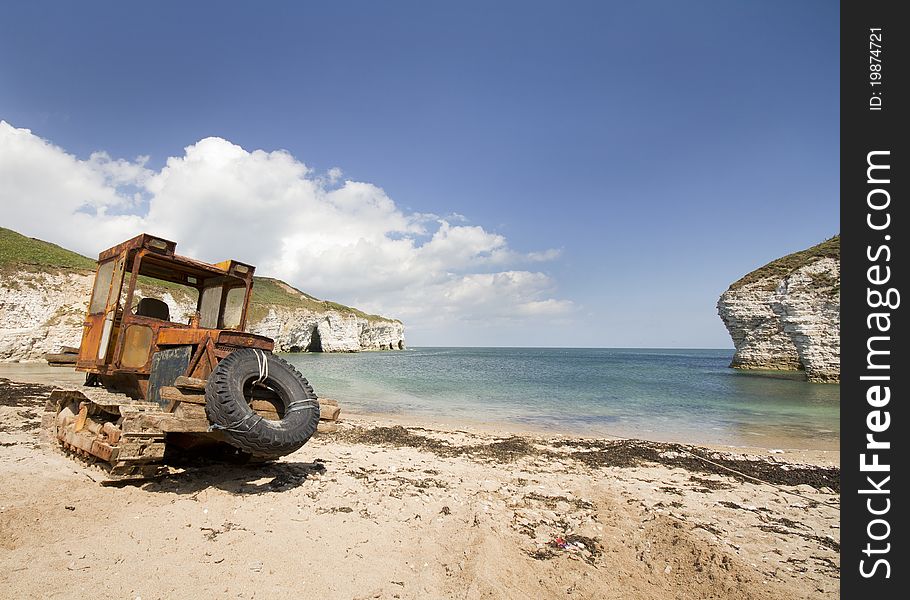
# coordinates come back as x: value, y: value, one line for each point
x: 335, y: 238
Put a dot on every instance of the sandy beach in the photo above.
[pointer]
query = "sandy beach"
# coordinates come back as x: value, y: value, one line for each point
x: 398, y: 508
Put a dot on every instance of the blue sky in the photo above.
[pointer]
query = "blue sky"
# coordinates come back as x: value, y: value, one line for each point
x: 662, y: 148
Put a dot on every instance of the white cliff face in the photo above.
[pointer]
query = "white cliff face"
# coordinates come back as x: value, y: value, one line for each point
x: 787, y: 321
x: 40, y: 312
x: 300, y: 330
x: 808, y: 305
x: 757, y: 332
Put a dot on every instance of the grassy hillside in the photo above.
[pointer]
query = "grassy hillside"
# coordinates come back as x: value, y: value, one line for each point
x: 780, y: 268
x: 274, y: 292
x: 18, y: 252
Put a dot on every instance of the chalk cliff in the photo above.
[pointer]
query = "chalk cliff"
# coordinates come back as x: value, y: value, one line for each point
x: 44, y: 291
x: 786, y: 314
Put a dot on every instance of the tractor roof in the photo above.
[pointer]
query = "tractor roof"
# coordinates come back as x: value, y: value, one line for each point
x: 160, y: 261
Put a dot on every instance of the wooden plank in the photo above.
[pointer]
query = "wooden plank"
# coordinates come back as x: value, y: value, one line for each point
x: 258, y: 405
x: 327, y: 412
x: 61, y: 359
x: 172, y: 423
x: 173, y: 394
x: 69, y: 350
x: 190, y: 383
x: 190, y: 411
x: 327, y: 427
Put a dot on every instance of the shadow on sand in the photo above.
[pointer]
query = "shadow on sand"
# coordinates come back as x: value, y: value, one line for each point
x: 239, y: 479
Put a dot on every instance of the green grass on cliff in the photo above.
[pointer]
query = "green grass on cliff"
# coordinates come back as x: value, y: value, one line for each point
x: 271, y: 292
x: 18, y: 253
x: 780, y: 268
x: 18, y: 250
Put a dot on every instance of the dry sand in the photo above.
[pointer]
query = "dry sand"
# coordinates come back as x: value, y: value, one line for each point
x: 388, y: 509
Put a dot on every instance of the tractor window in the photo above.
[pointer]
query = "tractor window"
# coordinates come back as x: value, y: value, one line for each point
x: 102, y: 287
x: 210, y: 305
x: 233, y: 307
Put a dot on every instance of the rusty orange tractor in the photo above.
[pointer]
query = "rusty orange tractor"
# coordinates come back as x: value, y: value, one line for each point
x: 153, y: 382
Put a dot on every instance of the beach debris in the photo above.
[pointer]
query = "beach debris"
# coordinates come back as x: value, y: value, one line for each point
x: 329, y: 416
x: 66, y: 357
x: 213, y: 533
x: 575, y: 546
x: 776, y: 451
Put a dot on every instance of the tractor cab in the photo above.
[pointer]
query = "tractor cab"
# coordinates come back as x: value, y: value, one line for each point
x: 129, y: 320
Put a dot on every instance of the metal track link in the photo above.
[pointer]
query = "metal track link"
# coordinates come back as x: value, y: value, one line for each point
x: 103, y: 429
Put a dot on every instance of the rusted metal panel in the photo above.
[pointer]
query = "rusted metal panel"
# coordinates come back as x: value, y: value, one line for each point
x: 242, y: 339
x: 108, y: 336
x: 137, y: 346
x: 183, y: 336
x: 133, y: 260
x: 88, y: 346
x: 81, y: 417
x: 167, y: 365
x: 210, y: 353
x: 101, y: 449
x: 204, y: 365
x: 143, y: 240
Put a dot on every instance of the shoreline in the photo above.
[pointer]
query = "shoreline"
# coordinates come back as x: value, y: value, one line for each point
x: 806, y: 448
x: 817, y: 456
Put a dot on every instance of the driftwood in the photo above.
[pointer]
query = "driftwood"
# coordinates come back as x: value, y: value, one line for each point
x: 190, y: 383
x: 61, y: 359
x: 328, y: 412
x: 327, y: 427
x: 174, y: 395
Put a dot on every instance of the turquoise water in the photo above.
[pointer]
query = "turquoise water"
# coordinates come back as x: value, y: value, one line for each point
x: 672, y: 395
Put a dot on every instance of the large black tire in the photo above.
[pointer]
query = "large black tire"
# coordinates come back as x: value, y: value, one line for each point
x: 228, y: 410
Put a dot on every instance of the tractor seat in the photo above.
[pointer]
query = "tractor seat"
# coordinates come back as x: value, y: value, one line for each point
x: 154, y: 308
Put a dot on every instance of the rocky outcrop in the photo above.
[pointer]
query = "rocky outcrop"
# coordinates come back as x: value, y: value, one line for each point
x: 786, y: 315
x: 41, y: 311
x: 302, y: 330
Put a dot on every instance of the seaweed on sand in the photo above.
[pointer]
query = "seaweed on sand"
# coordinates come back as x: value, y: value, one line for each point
x: 598, y: 454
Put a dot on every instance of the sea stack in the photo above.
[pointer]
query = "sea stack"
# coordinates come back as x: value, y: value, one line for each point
x: 786, y: 314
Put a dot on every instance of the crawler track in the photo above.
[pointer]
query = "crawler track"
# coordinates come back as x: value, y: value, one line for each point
x: 108, y: 430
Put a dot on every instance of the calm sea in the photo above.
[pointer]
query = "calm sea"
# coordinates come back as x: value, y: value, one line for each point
x: 670, y: 395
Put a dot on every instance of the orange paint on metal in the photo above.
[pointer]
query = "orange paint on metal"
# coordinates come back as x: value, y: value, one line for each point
x: 81, y: 417
x: 182, y: 337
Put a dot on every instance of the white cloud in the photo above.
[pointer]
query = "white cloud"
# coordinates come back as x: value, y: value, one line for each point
x: 344, y: 240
